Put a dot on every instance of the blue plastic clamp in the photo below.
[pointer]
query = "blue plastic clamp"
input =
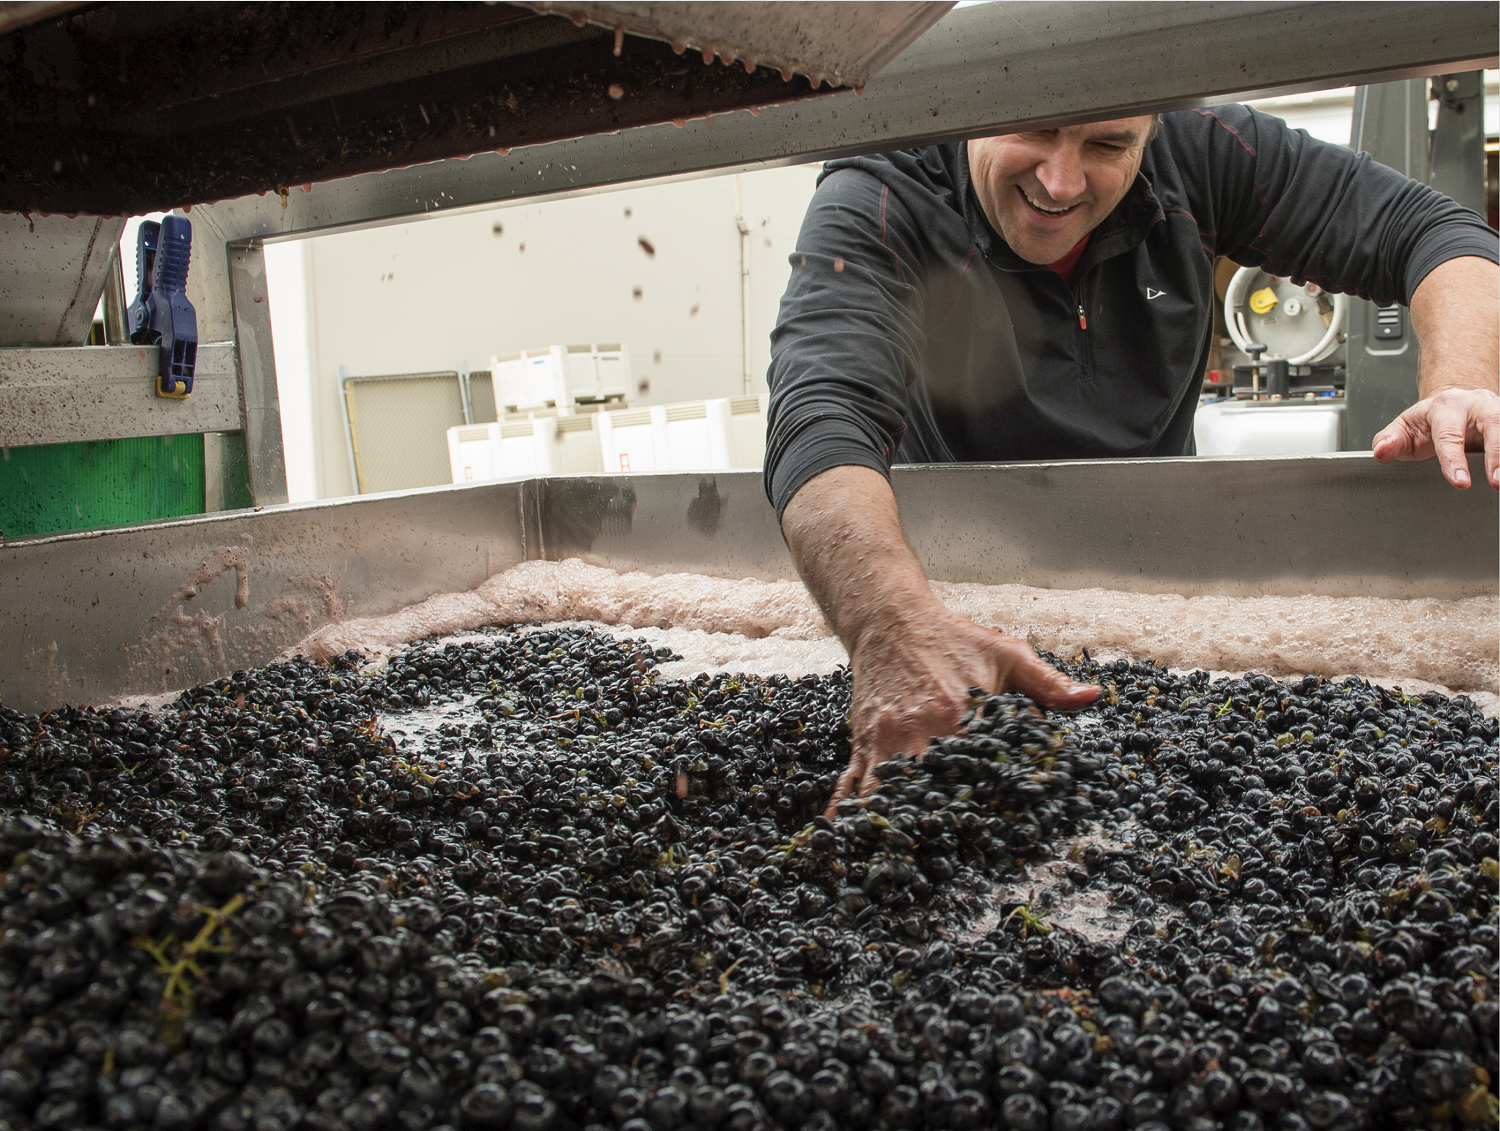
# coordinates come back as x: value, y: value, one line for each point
x: 145, y: 262
x: 161, y: 314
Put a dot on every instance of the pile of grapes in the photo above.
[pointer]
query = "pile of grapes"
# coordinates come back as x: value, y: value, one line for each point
x: 523, y: 882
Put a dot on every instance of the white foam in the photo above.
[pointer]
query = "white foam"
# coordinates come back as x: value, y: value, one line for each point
x: 733, y: 652
x: 574, y: 591
x: 1451, y: 643
x: 774, y: 626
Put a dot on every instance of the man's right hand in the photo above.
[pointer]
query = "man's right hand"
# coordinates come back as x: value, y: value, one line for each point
x: 912, y: 678
x: 913, y: 660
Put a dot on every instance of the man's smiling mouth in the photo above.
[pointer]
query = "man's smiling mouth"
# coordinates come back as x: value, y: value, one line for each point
x: 1042, y: 208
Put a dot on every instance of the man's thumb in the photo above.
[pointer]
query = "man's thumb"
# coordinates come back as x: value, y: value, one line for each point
x: 1033, y: 676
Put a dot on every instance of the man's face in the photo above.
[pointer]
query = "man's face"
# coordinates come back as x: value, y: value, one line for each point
x: 1044, y: 191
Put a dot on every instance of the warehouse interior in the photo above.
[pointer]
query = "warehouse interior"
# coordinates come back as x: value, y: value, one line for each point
x: 587, y: 288
x: 415, y: 715
x: 661, y: 268
x: 656, y: 267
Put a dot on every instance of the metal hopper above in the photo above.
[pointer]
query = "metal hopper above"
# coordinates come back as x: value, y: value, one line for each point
x: 120, y: 109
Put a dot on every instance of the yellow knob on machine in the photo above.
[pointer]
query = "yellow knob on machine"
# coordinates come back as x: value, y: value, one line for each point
x: 1263, y: 301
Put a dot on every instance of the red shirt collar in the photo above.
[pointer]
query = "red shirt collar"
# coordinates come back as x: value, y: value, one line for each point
x: 1069, y: 263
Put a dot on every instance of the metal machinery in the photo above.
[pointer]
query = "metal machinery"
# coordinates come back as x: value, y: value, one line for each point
x: 1327, y: 372
x: 98, y: 614
x: 1391, y: 124
x: 1288, y: 398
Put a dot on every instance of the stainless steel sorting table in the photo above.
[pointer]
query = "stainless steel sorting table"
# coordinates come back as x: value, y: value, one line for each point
x: 93, y: 616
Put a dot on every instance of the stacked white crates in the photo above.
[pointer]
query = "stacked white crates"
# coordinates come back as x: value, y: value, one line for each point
x: 747, y: 428
x: 708, y: 435
x: 711, y: 435
x: 471, y: 452
x: 496, y: 451
x: 560, y: 376
x: 634, y: 440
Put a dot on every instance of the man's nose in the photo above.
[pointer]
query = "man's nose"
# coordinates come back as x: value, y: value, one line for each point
x: 1062, y: 175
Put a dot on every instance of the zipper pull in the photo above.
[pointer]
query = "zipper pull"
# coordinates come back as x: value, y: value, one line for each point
x: 1083, y: 323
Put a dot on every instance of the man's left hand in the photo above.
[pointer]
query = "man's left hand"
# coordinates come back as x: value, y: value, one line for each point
x: 1447, y: 425
x: 1454, y: 312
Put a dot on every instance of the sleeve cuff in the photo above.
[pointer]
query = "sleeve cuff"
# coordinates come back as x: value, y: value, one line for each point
x: 821, y: 444
x: 1450, y: 242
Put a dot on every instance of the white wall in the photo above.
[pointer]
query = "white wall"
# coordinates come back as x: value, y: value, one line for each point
x: 452, y: 290
x: 294, y: 336
x: 1325, y: 114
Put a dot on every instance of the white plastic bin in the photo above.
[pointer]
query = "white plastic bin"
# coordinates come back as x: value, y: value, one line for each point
x: 529, y: 379
x: 471, y: 452
x: 596, y: 372
x: 560, y: 376
x: 578, y: 446
x: 747, y: 427
x: 582, y: 373
x: 1250, y: 428
x: 528, y: 447
x: 634, y: 440
x: 612, y: 364
x: 698, y: 436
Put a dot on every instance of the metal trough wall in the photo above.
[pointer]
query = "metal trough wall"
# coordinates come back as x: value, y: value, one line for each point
x: 1338, y: 525
x: 94, y: 616
x: 90, y: 617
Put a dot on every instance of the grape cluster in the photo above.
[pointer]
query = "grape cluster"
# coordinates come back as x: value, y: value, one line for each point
x: 522, y: 882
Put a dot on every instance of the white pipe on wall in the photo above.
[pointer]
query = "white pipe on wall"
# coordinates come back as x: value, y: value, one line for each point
x: 739, y: 219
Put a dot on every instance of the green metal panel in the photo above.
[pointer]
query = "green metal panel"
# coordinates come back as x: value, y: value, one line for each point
x: 55, y: 487
x: 236, y: 473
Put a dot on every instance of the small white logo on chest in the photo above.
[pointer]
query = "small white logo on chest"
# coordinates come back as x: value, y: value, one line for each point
x: 1152, y: 293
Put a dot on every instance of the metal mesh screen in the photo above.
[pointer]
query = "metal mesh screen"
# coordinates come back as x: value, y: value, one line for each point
x: 398, y: 429
x: 482, y: 396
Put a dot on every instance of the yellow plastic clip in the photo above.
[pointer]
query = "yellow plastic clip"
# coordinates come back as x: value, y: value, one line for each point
x: 180, y: 391
x: 1263, y: 301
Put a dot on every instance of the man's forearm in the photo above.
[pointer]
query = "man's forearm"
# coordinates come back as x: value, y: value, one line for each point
x: 1455, y: 312
x: 845, y: 536
x: 915, y: 663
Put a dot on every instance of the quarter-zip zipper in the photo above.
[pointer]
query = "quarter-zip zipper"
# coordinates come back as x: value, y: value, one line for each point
x: 1086, y: 345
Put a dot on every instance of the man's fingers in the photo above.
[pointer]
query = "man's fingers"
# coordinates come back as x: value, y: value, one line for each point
x: 907, y: 735
x: 1445, y: 425
x: 1408, y: 437
x: 843, y: 788
x: 868, y: 747
x: 882, y: 732
x: 898, y: 713
x: 1021, y: 669
x: 1448, y: 425
x: 1389, y: 442
x: 1487, y: 424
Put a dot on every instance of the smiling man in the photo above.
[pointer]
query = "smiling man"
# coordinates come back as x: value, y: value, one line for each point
x: 1049, y: 295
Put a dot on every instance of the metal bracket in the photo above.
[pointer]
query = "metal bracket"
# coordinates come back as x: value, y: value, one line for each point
x: 256, y: 356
